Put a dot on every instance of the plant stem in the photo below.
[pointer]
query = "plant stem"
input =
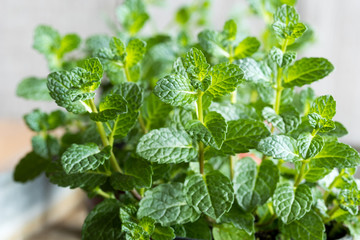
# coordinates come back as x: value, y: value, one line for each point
x: 300, y: 177
x: 127, y: 74
x: 104, y: 138
x: 231, y: 161
x: 200, y: 115
x: 332, y: 212
x: 136, y: 194
x: 142, y: 124
x: 100, y: 192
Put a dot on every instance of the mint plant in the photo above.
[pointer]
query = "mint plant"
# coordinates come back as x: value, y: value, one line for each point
x: 199, y: 139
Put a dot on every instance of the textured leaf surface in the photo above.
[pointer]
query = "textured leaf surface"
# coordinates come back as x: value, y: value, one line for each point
x: 135, y: 51
x: 239, y: 219
x: 212, y: 42
x: 166, y: 145
x: 306, y: 71
x: 292, y: 204
x: 247, y: 47
x: 253, y: 70
x: 309, y: 145
x: 229, y: 232
x: 197, y: 230
x: 279, y: 147
x: 310, y: 227
x: 337, y: 155
x: 166, y: 204
x: 325, y: 106
x: 175, y: 90
x: 271, y: 117
x: 212, y: 132
x: 36, y: 120
x: 243, y: 135
x: 29, y: 167
x: 314, y: 173
x: 253, y: 186
x: 195, y: 64
x: 132, y: 15
x: 103, y: 222
x: 163, y: 233
x: 155, y: 112
x: 81, y: 158
x: 33, y: 88
x: 225, y: 78
x: 110, y: 108
x: 211, y: 194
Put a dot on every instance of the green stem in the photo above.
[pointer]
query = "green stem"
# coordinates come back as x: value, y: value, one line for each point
x: 332, y: 212
x: 127, y: 73
x: 100, y: 192
x: 231, y: 161
x: 142, y: 124
x: 104, y: 138
x: 300, y: 177
x: 200, y: 115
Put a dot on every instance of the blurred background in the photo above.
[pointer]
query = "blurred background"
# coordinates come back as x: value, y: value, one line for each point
x: 25, y: 209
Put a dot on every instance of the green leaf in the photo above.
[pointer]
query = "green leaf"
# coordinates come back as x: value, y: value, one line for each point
x: 46, y: 39
x: 291, y: 203
x: 103, y: 222
x: 212, y: 132
x: 309, y: 145
x: 310, y: 227
x: 81, y: 158
x: 276, y: 121
x: 197, y: 230
x: 137, y: 173
x: 239, y: 219
x: 166, y: 204
x: 45, y: 147
x: 134, y: 231
x: 290, y: 116
x: 254, y: 71
x: 33, y: 88
x: 175, y: 90
x: 350, y: 199
x: 325, y: 106
x: 118, y: 47
x: 166, y: 145
x: 338, y: 132
x: 132, y: 15
x: 321, y: 124
x: 229, y: 232
x: 279, y: 147
x: 112, y: 106
x: 211, y: 194
x: 243, y: 135
x: 253, y: 186
x: 135, y: 51
x: 29, y: 167
x: 133, y: 95
x: 306, y: 71
x: 56, y: 119
x: 314, y: 173
x: 336, y: 155
x: 230, y: 30
x: 88, y: 181
x: 282, y: 59
x: 36, y: 120
x: 286, y: 23
x: 195, y: 64
x: 212, y: 42
x: 155, y: 112
x: 68, y: 43
x: 163, y: 233
x: 225, y: 78
x: 246, y: 47
x: 183, y: 15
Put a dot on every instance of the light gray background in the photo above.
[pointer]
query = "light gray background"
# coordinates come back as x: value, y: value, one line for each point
x: 336, y: 24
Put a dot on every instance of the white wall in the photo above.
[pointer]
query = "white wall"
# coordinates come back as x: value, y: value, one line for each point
x: 335, y: 23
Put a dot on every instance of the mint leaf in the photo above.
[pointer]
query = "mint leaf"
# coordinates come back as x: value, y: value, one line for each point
x: 212, y: 42
x: 314, y: 173
x: 321, y: 124
x: 225, y: 78
x: 155, y: 112
x: 166, y: 145
x: 45, y: 146
x: 103, y: 222
x: 254, y: 71
x: 87, y: 180
x: 175, y: 90
x: 163, y: 233
x: 29, y: 167
x: 276, y: 121
x: 46, y: 39
x: 166, y: 204
x: 117, y: 47
x: 239, y: 219
x: 243, y: 135
x: 33, y: 88
x: 81, y: 158
x: 133, y: 95
x: 229, y: 232
x: 336, y: 155
x: 36, y: 120
x: 309, y: 145
x: 286, y: 23
x: 135, y: 51
x: 197, y: 230
x: 211, y: 194
x: 254, y: 186
x: 195, y: 64
x: 309, y: 227
x: 68, y: 43
x: 246, y: 47
x: 212, y: 132
x: 132, y: 15
x: 325, y: 106
x: 306, y: 71
x: 112, y: 106
x: 230, y: 30
x: 292, y: 203
x: 279, y: 147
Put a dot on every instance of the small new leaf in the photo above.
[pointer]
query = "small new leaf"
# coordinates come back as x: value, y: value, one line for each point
x: 279, y: 147
x: 309, y: 145
x: 29, y: 167
x: 246, y: 47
